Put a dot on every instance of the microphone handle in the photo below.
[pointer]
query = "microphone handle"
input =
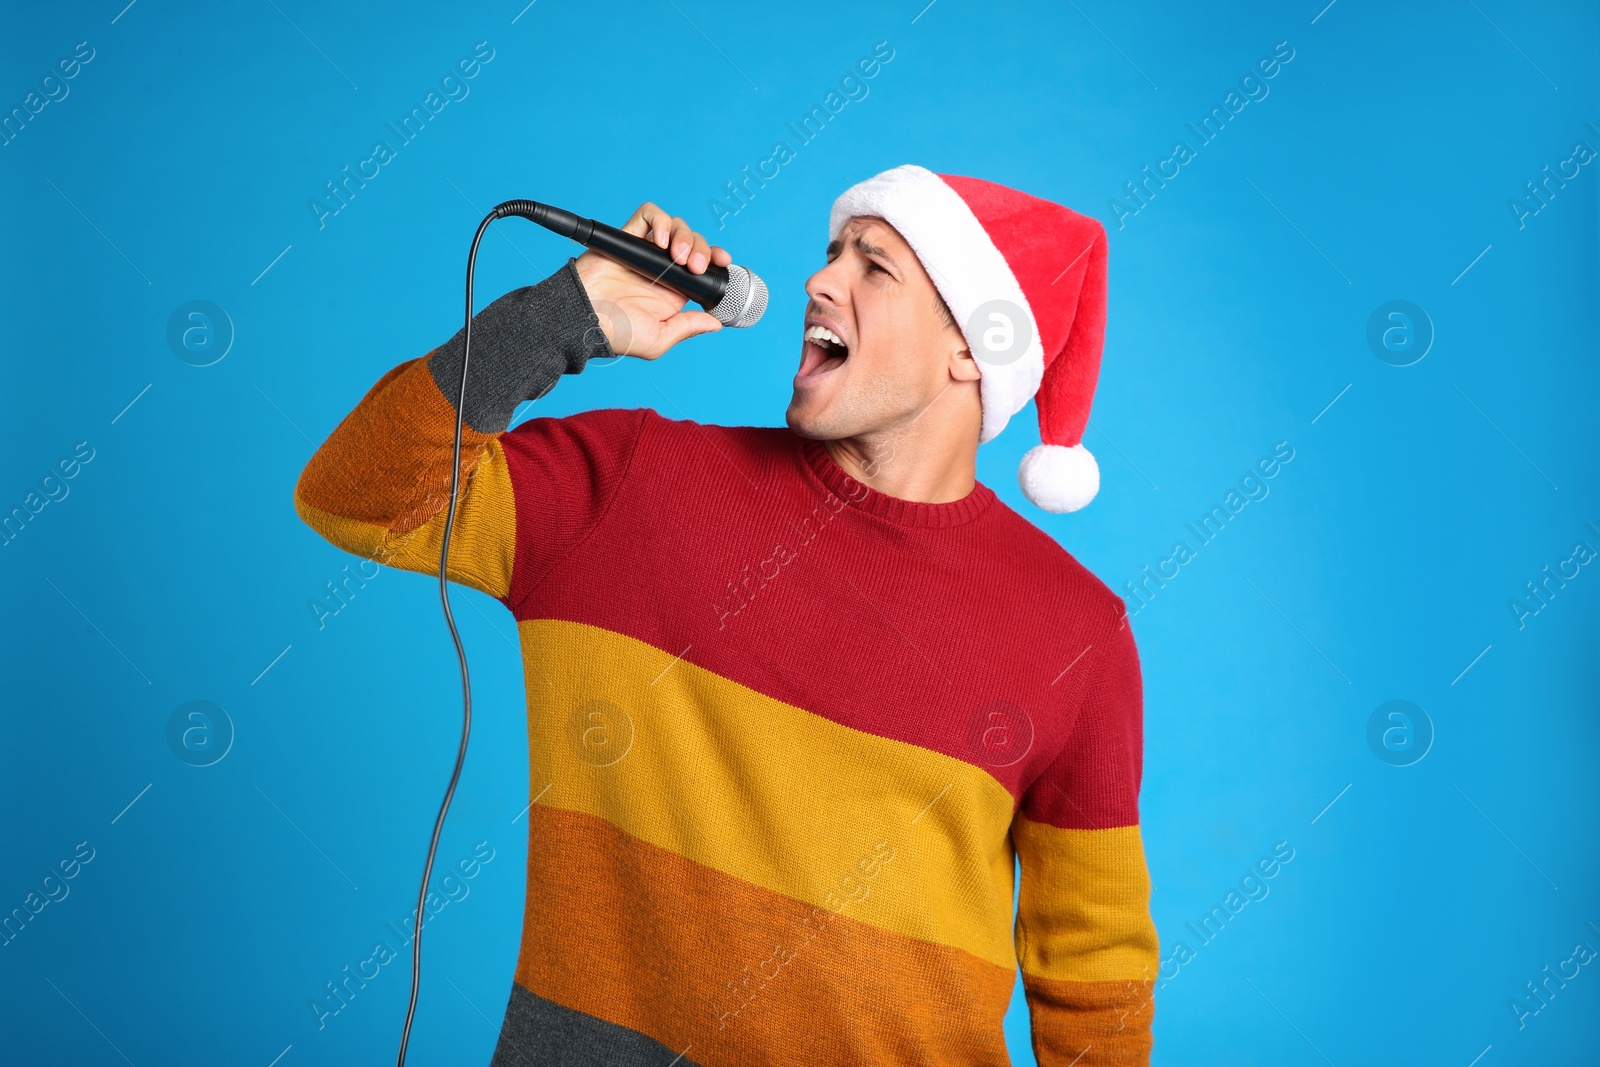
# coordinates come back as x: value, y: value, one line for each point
x: 637, y: 253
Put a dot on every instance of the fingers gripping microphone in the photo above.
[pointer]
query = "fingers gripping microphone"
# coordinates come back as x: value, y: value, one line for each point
x: 733, y: 294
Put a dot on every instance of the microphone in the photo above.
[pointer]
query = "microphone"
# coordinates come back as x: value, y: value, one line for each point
x: 733, y: 294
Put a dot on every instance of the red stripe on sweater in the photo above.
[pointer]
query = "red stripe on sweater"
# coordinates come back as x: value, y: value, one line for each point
x: 982, y: 639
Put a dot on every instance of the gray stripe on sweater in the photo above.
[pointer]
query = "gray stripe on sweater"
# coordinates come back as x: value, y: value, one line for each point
x: 522, y: 343
x: 541, y: 1033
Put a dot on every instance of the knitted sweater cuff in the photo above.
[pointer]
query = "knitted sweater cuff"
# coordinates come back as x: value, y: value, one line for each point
x: 521, y: 345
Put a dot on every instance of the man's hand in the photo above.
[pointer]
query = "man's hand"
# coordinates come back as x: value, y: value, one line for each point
x: 641, y: 317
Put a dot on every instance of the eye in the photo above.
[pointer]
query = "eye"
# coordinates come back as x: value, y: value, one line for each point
x: 874, y: 267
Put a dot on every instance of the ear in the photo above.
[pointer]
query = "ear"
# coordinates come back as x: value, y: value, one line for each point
x: 963, y: 368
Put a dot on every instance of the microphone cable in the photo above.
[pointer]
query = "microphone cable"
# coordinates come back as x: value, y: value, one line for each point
x: 500, y: 211
x: 741, y: 298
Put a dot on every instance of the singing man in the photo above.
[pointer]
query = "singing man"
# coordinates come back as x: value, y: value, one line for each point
x: 799, y: 697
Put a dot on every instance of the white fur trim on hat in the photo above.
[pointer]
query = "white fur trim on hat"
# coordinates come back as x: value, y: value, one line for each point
x: 1058, y: 478
x: 966, y: 268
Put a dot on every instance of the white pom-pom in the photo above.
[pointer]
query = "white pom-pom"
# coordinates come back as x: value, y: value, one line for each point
x: 1058, y: 478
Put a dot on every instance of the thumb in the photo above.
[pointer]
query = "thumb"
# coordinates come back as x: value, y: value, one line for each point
x: 686, y: 324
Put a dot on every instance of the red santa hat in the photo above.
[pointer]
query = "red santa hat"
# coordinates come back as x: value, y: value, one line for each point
x: 1025, y: 279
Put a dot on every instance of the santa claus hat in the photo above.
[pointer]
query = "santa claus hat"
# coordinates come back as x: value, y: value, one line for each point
x: 1025, y: 279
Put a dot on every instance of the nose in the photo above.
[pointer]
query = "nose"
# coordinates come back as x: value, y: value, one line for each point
x: 825, y: 287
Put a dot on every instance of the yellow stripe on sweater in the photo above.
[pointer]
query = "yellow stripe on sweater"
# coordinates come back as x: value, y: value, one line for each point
x: 782, y: 798
x: 1091, y: 890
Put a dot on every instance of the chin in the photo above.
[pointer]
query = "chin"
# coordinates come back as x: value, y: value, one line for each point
x: 803, y: 421
x: 796, y: 418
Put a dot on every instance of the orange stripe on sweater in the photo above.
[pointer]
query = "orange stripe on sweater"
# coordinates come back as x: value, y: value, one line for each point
x: 388, y: 462
x: 380, y: 485
x: 632, y: 933
x: 1103, y: 1023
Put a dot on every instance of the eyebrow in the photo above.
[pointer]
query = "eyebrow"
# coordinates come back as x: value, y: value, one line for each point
x: 862, y: 245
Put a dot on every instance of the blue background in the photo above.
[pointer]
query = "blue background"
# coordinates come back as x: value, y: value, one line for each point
x: 1380, y: 566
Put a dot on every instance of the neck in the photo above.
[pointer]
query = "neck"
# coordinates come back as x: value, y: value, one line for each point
x: 930, y: 458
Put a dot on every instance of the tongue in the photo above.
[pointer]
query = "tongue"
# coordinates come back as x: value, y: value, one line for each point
x: 820, y: 359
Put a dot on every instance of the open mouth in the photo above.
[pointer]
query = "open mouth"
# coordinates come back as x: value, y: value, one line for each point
x: 824, y: 352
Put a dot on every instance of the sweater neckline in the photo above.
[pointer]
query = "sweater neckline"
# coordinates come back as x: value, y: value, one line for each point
x: 894, y: 509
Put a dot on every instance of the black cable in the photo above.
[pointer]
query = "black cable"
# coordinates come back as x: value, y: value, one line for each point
x: 500, y: 211
x: 747, y: 299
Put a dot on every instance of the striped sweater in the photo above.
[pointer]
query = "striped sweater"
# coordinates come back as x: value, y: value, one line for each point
x: 788, y: 737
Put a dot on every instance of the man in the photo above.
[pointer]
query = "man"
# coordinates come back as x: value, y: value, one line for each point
x: 799, y: 697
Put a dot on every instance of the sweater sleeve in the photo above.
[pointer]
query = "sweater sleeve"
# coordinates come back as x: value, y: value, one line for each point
x: 379, y: 485
x: 1085, y: 939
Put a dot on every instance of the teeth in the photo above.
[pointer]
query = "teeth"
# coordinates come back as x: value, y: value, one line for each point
x: 822, y: 333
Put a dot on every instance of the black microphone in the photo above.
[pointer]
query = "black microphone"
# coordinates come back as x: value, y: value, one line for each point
x: 733, y: 294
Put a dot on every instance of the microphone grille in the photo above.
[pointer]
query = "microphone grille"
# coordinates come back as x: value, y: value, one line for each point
x: 744, y: 301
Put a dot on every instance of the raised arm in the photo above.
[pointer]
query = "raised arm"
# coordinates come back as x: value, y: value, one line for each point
x: 380, y: 484
x: 1085, y: 937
